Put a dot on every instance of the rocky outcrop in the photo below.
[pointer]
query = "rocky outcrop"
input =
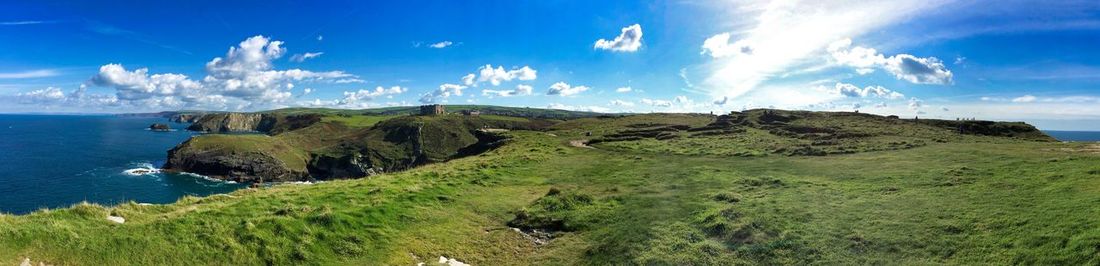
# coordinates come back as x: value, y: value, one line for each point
x: 328, y: 151
x: 1018, y: 130
x: 185, y: 117
x: 249, y: 166
x: 231, y: 122
x: 341, y: 167
x: 270, y: 123
x: 160, y: 127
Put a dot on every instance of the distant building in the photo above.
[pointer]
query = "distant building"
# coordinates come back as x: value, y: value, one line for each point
x: 471, y: 112
x: 432, y: 109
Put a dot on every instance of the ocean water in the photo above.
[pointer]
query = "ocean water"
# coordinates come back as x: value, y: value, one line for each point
x: 51, y: 161
x: 1074, y: 135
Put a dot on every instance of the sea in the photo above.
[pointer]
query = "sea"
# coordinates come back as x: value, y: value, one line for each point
x: 1078, y: 136
x: 52, y: 161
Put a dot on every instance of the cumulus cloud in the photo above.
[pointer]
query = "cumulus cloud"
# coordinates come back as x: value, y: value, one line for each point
x: 850, y: 90
x: 624, y: 89
x: 55, y: 97
x: 245, y: 77
x: 440, y: 45
x: 302, y: 57
x: 360, y: 97
x: 50, y: 94
x: 498, y: 75
x: 445, y: 91
x: 469, y: 79
x: 906, y: 67
x: 520, y: 90
x: 719, y: 46
x: 628, y: 41
x: 564, y: 89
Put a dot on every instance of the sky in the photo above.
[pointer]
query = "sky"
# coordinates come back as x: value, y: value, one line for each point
x: 1032, y: 61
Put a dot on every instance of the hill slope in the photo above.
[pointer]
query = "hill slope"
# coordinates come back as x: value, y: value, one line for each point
x: 966, y: 199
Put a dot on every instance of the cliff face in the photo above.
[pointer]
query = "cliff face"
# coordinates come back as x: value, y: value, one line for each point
x: 252, y: 122
x: 185, y: 117
x: 229, y: 122
x: 250, y: 166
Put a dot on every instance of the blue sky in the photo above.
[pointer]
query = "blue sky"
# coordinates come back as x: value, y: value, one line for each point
x: 1034, y: 61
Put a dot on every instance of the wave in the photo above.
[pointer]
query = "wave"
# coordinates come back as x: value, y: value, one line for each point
x: 207, y: 178
x: 143, y: 169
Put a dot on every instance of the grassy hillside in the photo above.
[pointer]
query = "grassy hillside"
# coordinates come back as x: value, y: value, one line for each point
x: 313, y: 146
x: 966, y: 199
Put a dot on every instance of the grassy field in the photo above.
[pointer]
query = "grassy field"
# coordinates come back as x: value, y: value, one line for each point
x: 964, y: 200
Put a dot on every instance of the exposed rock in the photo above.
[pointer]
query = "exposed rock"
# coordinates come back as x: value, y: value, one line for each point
x: 347, y: 166
x: 116, y: 219
x: 231, y: 122
x: 451, y: 262
x: 160, y: 127
x: 185, y: 117
x: 229, y: 165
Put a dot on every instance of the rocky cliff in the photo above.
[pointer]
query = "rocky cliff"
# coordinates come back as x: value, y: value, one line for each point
x: 271, y: 123
x: 329, y: 150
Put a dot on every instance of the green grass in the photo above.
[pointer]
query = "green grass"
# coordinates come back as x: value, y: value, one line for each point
x: 293, y: 156
x: 358, y: 121
x: 972, y: 200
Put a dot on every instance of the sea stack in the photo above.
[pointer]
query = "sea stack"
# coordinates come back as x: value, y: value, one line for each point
x: 160, y: 127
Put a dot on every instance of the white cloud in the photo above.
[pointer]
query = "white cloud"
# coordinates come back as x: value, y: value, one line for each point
x: 623, y: 89
x: 468, y: 79
x: 244, y: 78
x: 904, y: 66
x: 440, y: 45
x: 785, y: 36
x: 307, y: 91
x: 42, y: 73
x: 354, y: 98
x: 628, y: 41
x: 657, y: 103
x: 850, y: 90
x: 597, y: 109
x: 683, y: 75
x: 349, y: 80
x: 320, y: 38
x: 915, y: 103
x: 498, y: 75
x: 621, y: 103
x: 1024, y: 99
x: 445, y: 91
x: 520, y: 90
x: 564, y: 89
x: 50, y: 94
x: 302, y: 57
x: 719, y: 46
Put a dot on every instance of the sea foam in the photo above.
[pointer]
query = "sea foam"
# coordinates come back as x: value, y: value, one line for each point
x: 143, y: 169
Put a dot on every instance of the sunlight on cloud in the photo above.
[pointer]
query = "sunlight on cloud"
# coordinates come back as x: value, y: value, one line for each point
x: 787, y: 34
x: 628, y: 41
